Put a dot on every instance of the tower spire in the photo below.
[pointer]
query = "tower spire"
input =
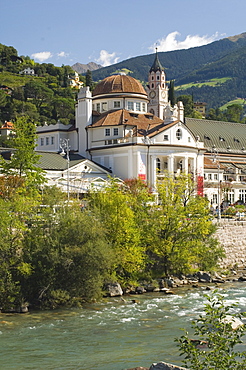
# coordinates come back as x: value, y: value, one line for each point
x: 157, y: 64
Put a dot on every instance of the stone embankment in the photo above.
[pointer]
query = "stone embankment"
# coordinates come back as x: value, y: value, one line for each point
x: 232, y: 236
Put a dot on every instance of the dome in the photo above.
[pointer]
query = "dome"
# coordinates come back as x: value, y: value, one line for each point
x: 119, y: 84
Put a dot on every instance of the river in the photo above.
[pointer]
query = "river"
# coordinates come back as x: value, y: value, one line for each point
x: 112, y: 335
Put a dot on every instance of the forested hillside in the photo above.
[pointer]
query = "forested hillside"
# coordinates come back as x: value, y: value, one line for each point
x: 45, y: 96
x: 223, y: 58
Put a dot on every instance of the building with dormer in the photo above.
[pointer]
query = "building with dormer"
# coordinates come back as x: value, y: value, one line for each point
x: 136, y: 133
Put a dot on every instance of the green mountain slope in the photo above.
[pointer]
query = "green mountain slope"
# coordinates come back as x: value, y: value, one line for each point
x: 223, y: 58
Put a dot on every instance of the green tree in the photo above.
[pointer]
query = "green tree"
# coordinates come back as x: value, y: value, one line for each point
x: 38, y: 92
x: 14, y: 214
x: 234, y: 113
x: 171, y: 93
x: 88, y: 80
x: 181, y: 234
x: 24, y: 160
x: 214, y: 330
x: 68, y: 254
x: 113, y: 207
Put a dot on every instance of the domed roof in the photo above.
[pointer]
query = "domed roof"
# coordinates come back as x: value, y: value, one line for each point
x: 119, y: 84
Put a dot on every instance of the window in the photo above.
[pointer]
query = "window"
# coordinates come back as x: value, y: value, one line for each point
x: 215, y: 176
x: 215, y: 198
x: 188, y: 139
x: 107, y: 131
x: 116, y: 131
x: 104, y: 106
x: 42, y: 141
x: 138, y: 106
x: 179, y: 134
x: 158, y: 77
x: 130, y: 105
x: 116, y: 104
x: 158, y: 164
x: 209, y: 176
x: 153, y: 86
x: 165, y: 138
x: 98, y: 107
x: 47, y: 140
x: 143, y: 107
x: 52, y: 140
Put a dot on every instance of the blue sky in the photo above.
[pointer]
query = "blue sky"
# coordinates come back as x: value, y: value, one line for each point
x: 109, y: 31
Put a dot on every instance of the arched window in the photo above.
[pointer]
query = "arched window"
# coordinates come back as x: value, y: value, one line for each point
x: 179, y: 134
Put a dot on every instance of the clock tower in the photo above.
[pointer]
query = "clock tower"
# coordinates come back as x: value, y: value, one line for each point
x: 157, y: 89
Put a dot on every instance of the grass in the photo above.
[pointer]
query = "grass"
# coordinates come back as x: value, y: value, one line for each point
x: 231, y: 102
x: 213, y: 82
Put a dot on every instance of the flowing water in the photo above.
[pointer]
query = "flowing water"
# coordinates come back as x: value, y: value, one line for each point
x: 112, y: 335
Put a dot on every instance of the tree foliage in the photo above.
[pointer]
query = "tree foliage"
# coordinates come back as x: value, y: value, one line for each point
x: 182, y: 234
x: 214, y: 331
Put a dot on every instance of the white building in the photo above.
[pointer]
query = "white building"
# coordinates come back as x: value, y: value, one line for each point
x: 134, y: 132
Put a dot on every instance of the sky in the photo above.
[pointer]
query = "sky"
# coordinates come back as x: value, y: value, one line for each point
x: 109, y: 31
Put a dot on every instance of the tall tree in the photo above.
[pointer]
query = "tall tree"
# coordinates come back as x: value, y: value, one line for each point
x: 181, y: 236
x: 24, y: 160
x: 88, y: 77
x: 171, y: 93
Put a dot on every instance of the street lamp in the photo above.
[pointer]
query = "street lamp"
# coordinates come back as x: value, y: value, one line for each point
x: 214, y: 152
x: 64, y: 145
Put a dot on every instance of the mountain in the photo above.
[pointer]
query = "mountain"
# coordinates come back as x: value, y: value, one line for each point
x: 83, y: 68
x: 222, y: 61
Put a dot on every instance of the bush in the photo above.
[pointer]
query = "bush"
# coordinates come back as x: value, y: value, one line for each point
x: 215, y: 340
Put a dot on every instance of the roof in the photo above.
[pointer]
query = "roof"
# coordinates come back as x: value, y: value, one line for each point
x: 156, y: 65
x: 145, y: 123
x: 226, y: 137
x: 119, y: 84
x: 54, y: 161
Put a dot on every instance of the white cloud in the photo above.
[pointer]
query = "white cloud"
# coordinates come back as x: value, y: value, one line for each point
x: 62, y: 54
x: 170, y: 42
x: 42, y: 56
x: 106, y: 58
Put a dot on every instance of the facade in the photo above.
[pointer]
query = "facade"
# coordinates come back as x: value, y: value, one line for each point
x: 135, y: 132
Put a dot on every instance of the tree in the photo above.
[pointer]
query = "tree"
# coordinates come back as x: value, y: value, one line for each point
x: 38, y: 92
x: 89, y: 80
x: 13, y: 225
x: 24, y: 160
x: 68, y: 254
x: 188, y: 104
x: 181, y: 232
x: 114, y: 207
x: 214, y: 330
x: 171, y: 93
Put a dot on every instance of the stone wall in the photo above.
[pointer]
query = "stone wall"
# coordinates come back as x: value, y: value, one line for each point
x: 232, y: 236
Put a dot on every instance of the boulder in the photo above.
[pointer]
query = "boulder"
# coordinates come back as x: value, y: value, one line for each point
x: 204, y: 277
x: 165, y: 366
x: 140, y: 290
x: 113, y: 290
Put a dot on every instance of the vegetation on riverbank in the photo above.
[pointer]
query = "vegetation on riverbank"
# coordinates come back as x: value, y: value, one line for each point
x: 55, y: 252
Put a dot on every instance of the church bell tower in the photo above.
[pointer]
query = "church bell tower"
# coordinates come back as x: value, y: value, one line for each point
x: 157, y: 89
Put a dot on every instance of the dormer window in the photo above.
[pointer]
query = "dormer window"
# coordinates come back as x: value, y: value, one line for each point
x: 116, y: 104
x: 107, y: 131
x: 179, y: 134
x: 104, y: 106
x: 130, y: 105
x: 138, y: 106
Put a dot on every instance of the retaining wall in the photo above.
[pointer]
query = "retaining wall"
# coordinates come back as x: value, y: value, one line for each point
x: 232, y: 236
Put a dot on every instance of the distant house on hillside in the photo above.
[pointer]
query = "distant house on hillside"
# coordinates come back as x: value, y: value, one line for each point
x: 7, y: 129
x: 27, y: 72
x: 200, y: 107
